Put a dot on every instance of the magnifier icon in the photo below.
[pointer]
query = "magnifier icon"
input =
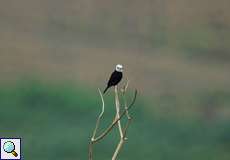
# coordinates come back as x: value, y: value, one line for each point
x: 9, y: 147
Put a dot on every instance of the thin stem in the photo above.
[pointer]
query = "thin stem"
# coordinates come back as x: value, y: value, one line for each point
x: 129, y: 118
x: 100, y: 115
x: 116, y: 120
x: 119, y: 146
x: 118, y: 111
x: 91, y: 150
x: 122, y: 140
x: 96, y: 127
x: 125, y: 102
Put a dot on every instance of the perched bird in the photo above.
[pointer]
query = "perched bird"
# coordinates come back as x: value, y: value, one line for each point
x: 115, y: 77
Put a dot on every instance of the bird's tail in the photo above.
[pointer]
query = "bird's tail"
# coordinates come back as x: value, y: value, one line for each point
x: 106, y: 89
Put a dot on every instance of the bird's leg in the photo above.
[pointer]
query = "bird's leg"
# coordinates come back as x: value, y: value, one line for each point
x: 118, y: 111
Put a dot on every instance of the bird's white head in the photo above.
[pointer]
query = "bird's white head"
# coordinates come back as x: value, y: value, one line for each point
x: 119, y: 68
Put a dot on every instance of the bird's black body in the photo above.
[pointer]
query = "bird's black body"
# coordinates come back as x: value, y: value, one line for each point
x: 115, y: 78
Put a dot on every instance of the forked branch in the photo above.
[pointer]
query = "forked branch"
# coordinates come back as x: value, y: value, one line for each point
x: 123, y: 131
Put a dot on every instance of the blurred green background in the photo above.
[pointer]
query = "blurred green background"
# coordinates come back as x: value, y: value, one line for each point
x: 54, y: 55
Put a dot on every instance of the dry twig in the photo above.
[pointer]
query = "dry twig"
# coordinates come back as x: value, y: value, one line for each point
x: 118, y: 117
x: 124, y: 131
x: 97, y: 124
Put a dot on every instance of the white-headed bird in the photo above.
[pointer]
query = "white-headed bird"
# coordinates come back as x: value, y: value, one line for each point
x: 115, y: 77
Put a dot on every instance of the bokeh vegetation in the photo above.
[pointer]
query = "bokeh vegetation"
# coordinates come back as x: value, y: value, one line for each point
x: 55, y: 122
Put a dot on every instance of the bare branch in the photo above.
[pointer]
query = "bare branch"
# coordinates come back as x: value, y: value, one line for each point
x: 119, y: 146
x: 96, y: 127
x: 124, y: 88
x: 129, y: 118
x: 127, y: 84
x: 124, y: 97
x: 122, y: 140
x: 100, y: 115
x: 91, y: 150
x: 116, y: 120
x: 117, y: 103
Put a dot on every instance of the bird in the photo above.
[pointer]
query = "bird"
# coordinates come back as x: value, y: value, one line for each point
x: 115, y: 77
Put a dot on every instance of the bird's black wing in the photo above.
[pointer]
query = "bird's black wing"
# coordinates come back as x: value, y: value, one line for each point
x: 115, y: 78
x: 112, y: 79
